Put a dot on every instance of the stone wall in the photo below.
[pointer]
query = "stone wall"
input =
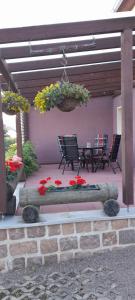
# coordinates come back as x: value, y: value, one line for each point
x: 43, y: 244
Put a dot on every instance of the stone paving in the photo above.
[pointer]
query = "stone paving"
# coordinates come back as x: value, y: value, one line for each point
x: 101, y: 276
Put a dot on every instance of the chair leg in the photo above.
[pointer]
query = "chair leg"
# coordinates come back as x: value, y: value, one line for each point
x: 72, y: 165
x: 78, y: 168
x: 87, y: 166
x: 112, y: 168
x: 64, y: 167
x: 61, y: 162
x: 118, y: 165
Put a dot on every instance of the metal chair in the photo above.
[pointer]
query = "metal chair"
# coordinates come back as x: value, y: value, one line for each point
x: 61, y: 149
x: 72, y: 155
x: 110, y: 159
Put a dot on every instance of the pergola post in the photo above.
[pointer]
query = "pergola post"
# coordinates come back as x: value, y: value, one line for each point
x: 127, y: 115
x: 18, y: 135
x: 25, y: 125
x: 3, y: 194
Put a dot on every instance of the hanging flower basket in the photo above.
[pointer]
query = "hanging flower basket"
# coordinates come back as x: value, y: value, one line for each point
x: 13, y: 103
x: 7, y: 111
x: 67, y: 105
x: 63, y: 95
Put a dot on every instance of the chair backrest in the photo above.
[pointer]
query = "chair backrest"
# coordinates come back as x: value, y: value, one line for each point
x: 71, y: 148
x: 115, y: 147
x: 61, y: 144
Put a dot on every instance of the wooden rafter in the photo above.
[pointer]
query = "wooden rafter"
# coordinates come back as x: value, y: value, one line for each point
x: 57, y: 48
x: 71, y: 61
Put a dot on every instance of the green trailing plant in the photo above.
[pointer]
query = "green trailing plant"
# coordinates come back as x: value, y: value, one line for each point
x: 14, y: 103
x: 29, y: 158
x: 56, y: 93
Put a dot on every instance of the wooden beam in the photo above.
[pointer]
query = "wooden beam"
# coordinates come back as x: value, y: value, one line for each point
x: 71, y: 61
x: 57, y: 62
x: 3, y: 192
x: 73, y: 78
x: 7, y: 76
x: 70, y: 71
x: 66, y: 30
x: 57, y: 48
x: 127, y: 116
x: 78, y: 70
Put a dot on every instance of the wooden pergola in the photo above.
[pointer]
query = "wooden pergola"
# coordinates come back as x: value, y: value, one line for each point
x: 100, y: 56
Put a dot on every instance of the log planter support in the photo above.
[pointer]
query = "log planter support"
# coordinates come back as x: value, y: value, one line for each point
x: 10, y: 198
x: 31, y: 201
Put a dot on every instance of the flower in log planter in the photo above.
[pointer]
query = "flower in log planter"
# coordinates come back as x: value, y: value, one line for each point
x: 13, y: 103
x: 74, y: 184
x: 64, y: 95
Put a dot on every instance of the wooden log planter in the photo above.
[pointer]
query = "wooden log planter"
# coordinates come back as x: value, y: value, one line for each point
x: 31, y: 201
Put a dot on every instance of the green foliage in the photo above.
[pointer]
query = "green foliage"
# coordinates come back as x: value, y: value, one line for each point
x: 56, y: 93
x: 8, y: 141
x: 11, y: 151
x: 29, y: 158
x: 15, y: 102
x: 5, y: 131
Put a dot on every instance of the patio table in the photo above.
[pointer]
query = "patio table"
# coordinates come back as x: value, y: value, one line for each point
x: 91, y: 148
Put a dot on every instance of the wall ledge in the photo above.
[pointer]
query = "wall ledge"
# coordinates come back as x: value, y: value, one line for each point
x: 66, y: 217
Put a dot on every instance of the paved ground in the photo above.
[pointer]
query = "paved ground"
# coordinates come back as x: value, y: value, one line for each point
x: 102, y: 276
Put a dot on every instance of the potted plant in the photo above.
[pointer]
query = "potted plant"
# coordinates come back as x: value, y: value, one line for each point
x: 64, y: 95
x: 13, y: 103
x: 14, y: 169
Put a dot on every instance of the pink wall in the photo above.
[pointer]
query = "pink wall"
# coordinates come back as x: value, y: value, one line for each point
x: 116, y: 103
x: 85, y: 121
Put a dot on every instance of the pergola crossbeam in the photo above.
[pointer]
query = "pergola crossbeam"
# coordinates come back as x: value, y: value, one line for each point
x: 66, y: 30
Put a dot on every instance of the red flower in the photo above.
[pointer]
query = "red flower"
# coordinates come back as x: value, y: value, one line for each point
x: 12, y: 169
x: 81, y: 181
x: 42, y: 190
x: 58, y: 182
x: 72, y: 182
x: 13, y: 165
x: 77, y: 177
x: 48, y: 178
x: 43, y: 181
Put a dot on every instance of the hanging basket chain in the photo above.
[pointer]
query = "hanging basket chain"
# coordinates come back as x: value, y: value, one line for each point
x: 64, y: 63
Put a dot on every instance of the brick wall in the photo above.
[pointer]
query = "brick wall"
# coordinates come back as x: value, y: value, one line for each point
x: 22, y: 247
